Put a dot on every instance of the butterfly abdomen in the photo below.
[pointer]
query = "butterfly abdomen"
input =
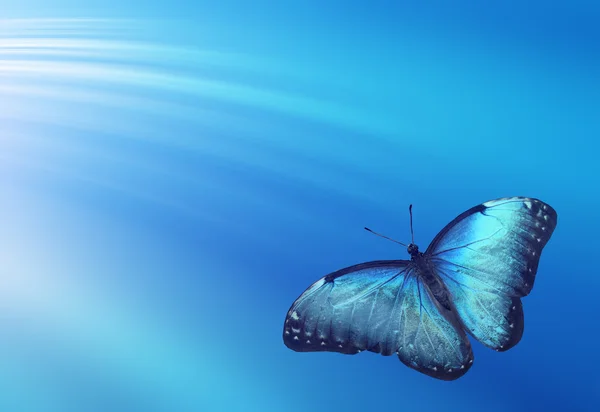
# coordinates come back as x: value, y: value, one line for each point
x: 434, y: 283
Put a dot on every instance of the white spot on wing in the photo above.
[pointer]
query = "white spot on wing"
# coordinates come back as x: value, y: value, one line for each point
x: 500, y: 201
x: 295, y: 315
x: 318, y: 283
x: 527, y: 204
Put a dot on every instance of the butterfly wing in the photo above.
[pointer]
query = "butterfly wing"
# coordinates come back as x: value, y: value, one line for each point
x: 488, y: 258
x: 381, y: 307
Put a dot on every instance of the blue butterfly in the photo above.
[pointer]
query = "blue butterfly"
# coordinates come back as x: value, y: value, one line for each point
x: 470, y: 280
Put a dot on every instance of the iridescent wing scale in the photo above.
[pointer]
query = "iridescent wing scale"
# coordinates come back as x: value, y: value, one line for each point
x: 382, y: 307
x: 488, y: 258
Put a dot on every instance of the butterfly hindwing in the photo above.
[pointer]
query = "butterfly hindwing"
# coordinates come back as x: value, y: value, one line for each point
x: 494, y: 319
x: 432, y: 340
x: 488, y: 258
x: 381, y: 307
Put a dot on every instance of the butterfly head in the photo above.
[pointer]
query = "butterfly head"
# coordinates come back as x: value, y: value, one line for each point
x: 413, y: 250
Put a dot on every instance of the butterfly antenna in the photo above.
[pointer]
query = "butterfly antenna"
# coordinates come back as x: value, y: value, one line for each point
x: 412, y: 234
x: 385, y: 237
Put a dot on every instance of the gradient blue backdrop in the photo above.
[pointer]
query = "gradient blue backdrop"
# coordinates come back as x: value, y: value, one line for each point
x: 174, y: 174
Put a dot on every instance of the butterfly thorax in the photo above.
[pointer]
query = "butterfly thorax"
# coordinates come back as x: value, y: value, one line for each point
x: 413, y: 251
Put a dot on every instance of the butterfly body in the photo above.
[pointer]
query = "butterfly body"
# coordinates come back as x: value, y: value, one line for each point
x: 470, y: 280
x: 426, y: 272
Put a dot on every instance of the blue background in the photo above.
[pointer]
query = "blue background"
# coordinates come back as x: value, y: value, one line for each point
x: 173, y: 175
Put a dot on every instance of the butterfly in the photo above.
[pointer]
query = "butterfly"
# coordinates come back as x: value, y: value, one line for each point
x: 470, y: 280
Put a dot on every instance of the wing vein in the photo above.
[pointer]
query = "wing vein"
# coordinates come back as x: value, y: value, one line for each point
x: 393, y: 311
x: 466, y: 245
x: 476, y: 271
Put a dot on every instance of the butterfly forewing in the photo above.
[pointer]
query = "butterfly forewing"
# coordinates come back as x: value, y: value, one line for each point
x: 488, y: 258
x: 380, y: 307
